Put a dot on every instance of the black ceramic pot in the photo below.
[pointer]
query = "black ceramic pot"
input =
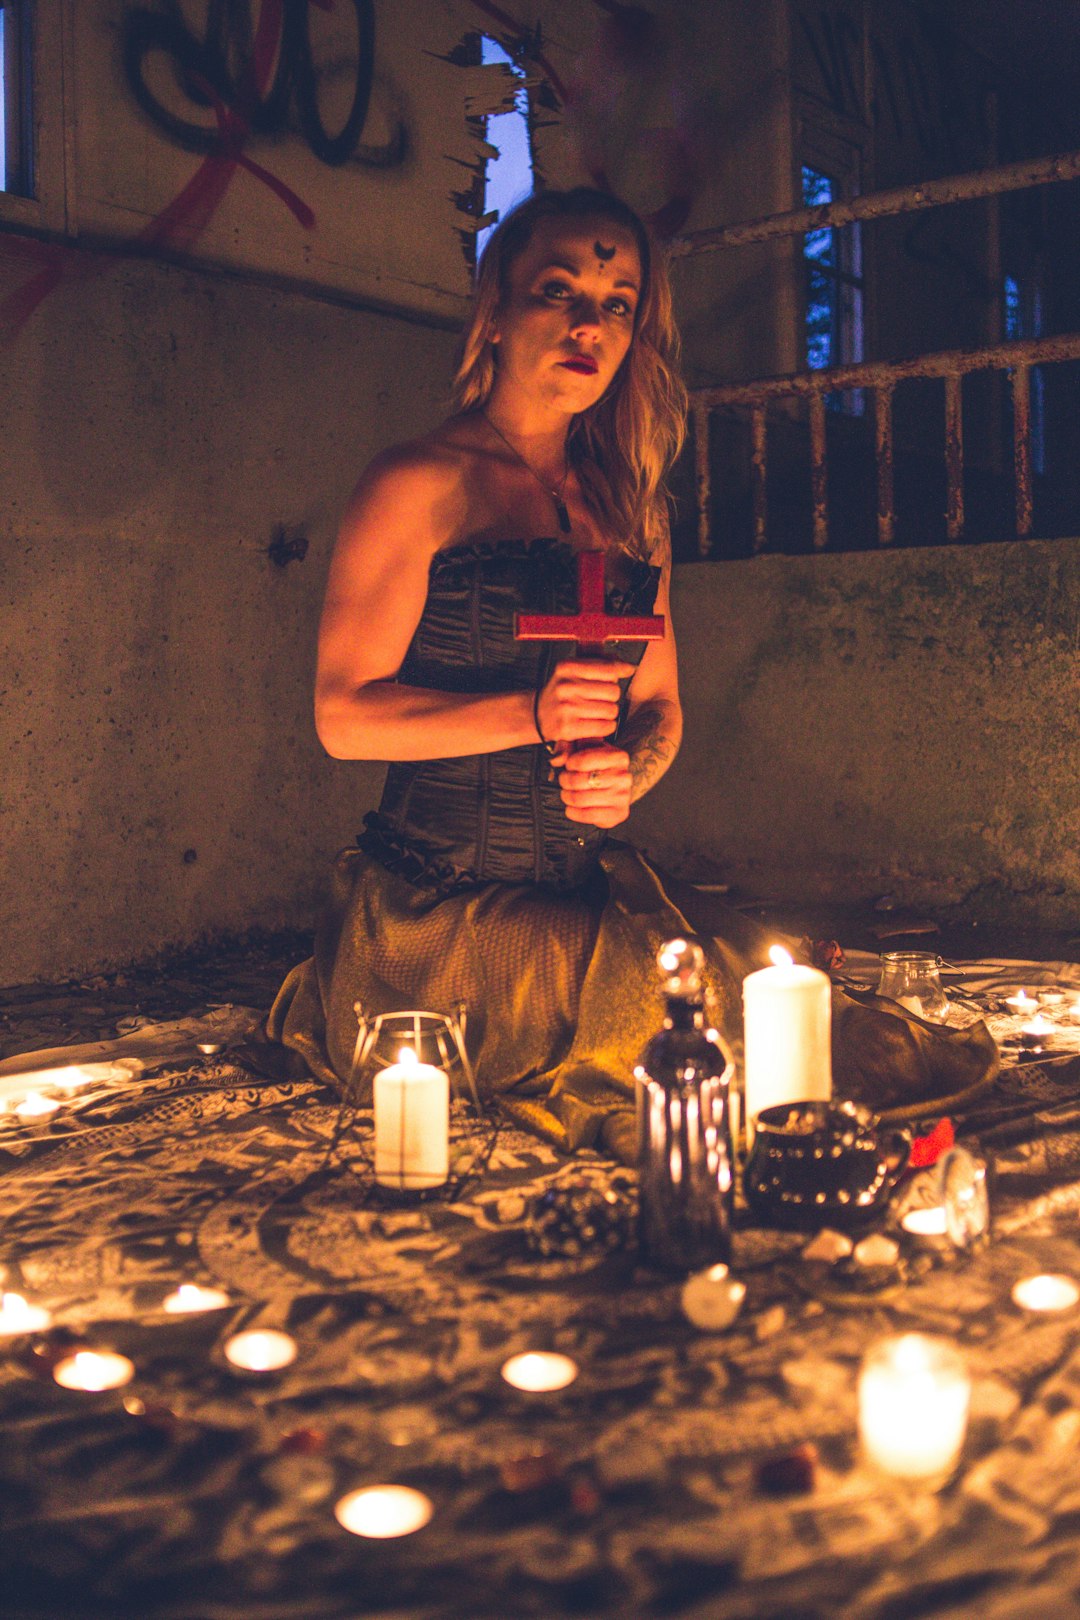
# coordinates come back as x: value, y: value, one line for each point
x: 816, y: 1164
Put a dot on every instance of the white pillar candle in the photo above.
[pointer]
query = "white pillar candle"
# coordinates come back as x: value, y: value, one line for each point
x: 412, y: 1124
x: 914, y: 1393
x: 788, y: 1011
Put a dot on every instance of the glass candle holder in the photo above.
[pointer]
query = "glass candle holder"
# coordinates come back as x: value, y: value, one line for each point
x: 913, y: 978
x: 914, y: 1393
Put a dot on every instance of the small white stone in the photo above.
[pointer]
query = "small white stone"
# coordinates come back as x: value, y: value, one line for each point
x: 770, y: 1323
x: 877, y: 1250
x: 829, y: 1246
x: 712, y: 1299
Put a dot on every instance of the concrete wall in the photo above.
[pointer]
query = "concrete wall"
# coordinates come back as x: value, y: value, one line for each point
x: 161, y: 778
x: 902, y: 722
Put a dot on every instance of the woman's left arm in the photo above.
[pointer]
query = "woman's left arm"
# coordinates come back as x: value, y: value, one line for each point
x: 599, y: 782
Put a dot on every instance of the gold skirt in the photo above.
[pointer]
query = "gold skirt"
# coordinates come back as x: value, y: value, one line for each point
x: 563, y: 991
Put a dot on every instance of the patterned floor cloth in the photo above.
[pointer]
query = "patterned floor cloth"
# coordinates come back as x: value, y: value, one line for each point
x: 199, y: 1493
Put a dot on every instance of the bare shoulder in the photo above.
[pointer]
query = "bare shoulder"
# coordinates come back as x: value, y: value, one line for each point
x: 417, y: 489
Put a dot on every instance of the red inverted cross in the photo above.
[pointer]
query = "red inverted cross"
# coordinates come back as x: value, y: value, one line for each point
x: 591, y: 626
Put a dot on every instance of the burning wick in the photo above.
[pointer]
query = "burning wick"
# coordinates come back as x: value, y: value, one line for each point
x: 1035, y: 1033
x: 540, y: 1371
x: 779, y: 957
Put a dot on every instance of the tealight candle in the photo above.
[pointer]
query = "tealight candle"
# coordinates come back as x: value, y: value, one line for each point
x: 1050, y: 1291
x: 68, y: 1079
x: 928, y: 1223
x: 914, y: 1393
x: 17, y: 1316
x: 189, y: 1297
x: 382, y: 1511
x: 540, y: 1371
x: 788, y: 1011
x: 35, y: 1106
x: 1022, y: 1003
x: 1036, y: 1033
x: 261, y: 1350
x: 412, y: 1124
x: 94, y: 1370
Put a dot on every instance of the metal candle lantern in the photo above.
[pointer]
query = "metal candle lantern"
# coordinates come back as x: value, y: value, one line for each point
x: 685, y: 1156
x: 432, y: 1037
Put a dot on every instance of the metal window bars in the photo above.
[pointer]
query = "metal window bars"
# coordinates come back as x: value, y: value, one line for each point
x: 879, y: 377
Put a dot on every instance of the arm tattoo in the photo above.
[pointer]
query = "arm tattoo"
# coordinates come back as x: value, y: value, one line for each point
x: 647, y: 739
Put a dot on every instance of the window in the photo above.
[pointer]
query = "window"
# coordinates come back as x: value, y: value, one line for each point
x: 509, y: 176
x: 832, y: 260
x: 1023, y: 318
x: 15, y: 144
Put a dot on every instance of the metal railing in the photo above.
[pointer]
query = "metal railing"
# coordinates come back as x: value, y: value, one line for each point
x: 879, y: 377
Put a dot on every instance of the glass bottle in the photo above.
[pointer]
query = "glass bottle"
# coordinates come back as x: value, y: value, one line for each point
x: 685, y: 1152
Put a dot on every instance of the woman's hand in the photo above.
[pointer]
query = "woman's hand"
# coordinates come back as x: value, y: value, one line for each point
x: 596, y: 784
x: 581, y: 700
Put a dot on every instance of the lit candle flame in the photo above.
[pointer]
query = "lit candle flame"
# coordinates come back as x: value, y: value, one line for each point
x: 35, y: 1106
x: 407, y: 1058
x: 17, y: 1316
x: 540, y: 1371
x: 779, y: 957
x: 384, y: 1511
x: 1050, y: 1291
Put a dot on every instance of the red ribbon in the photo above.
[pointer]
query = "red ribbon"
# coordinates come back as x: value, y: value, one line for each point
x: 927, y: 1150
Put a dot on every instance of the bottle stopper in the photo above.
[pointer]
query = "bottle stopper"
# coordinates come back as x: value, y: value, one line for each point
x: 681, y: 961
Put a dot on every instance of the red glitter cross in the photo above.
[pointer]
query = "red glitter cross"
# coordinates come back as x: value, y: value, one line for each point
x: 591, y: 626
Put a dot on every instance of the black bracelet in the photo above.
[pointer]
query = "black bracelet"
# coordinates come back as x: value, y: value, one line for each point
x: 550, y: 748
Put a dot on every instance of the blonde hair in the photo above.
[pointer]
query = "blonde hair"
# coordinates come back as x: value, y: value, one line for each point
x: 622, y: 447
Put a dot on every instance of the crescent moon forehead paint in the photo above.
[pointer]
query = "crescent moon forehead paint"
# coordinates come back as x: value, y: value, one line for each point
x: 602, y: 252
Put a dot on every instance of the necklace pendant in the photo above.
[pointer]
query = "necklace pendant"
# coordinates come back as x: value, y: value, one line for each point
x: 562, y: 514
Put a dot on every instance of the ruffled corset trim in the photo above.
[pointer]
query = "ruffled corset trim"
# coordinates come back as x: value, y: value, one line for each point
x: 411, y: 860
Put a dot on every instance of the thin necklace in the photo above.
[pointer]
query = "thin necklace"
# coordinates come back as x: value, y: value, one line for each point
x: 561, y: 513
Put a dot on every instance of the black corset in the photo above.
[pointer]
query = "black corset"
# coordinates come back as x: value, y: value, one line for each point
x: 453, y: 823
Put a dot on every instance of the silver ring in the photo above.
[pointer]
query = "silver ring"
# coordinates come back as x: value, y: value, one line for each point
x: 592, y: 779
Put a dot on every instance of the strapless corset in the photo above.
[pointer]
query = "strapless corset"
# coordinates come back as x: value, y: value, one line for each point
x: 453, y: 823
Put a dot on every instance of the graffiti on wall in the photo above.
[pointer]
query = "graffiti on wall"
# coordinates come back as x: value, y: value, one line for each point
x: 246, y: 78
x: 273, y: 84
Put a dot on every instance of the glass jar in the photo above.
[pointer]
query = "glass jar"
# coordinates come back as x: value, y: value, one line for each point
x: 913, y: 978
